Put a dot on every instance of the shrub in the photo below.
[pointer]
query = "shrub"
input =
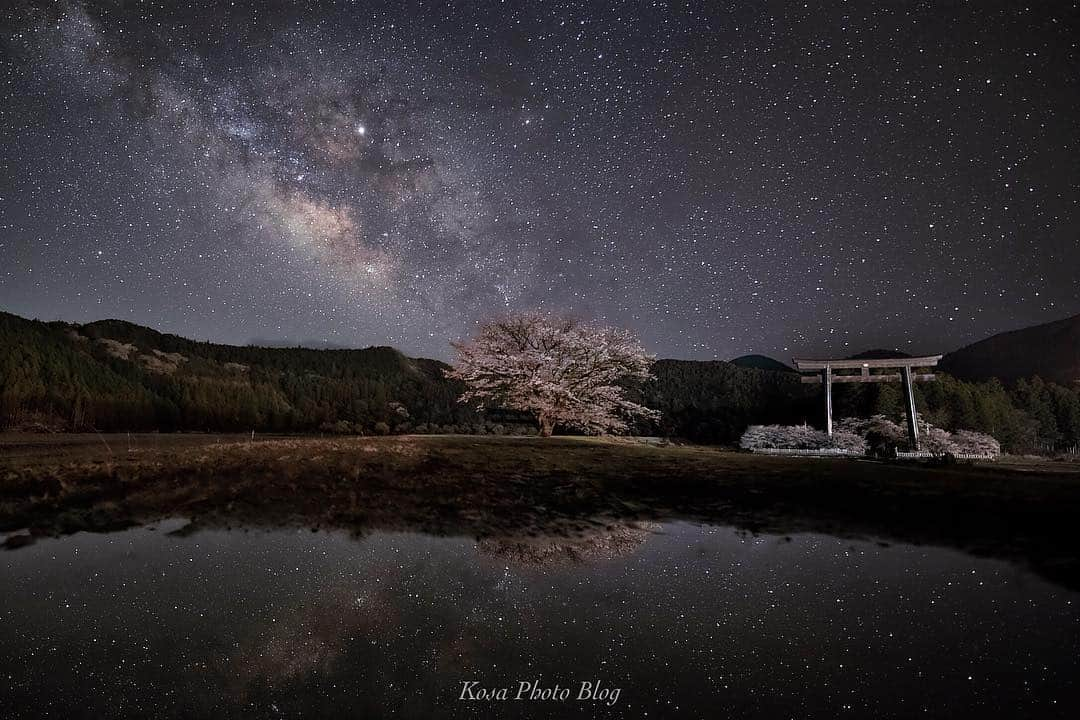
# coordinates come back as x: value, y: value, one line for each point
x: 885, y: 437
x: 381, y: 428
x: 935, y: 440
x: 341, y: 427
x: 975, y: 443
x: 798, y: 437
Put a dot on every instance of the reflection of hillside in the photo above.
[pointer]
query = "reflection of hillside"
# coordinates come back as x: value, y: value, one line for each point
x: 585, y: 546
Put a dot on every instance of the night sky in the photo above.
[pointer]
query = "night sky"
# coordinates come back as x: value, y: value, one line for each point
x: 722, y: 178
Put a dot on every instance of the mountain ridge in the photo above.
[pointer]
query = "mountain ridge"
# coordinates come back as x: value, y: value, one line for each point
x: 1048, y: 350
x: 761, y: 362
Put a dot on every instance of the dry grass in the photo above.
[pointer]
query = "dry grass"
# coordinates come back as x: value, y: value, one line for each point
x: 512, y: 491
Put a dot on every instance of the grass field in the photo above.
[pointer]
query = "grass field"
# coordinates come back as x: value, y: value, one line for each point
x: 505, y: 487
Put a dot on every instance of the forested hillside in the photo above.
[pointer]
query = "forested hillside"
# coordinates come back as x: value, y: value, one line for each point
x: 113, y: 375
x: 714, y: 401
x: 116, y: 376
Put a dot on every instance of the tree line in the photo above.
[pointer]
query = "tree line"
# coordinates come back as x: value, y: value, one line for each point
x: 714, y: 402
x: 116, y: 376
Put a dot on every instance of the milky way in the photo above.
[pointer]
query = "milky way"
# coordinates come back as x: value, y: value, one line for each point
x: 720, y: 178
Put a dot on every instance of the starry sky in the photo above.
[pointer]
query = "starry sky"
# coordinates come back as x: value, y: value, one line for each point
x: 723, y: 178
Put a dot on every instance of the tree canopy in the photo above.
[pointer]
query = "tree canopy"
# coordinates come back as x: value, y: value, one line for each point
x: 563, y: 371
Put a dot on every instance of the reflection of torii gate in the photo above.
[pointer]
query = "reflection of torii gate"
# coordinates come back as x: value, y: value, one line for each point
x: 826, y: 377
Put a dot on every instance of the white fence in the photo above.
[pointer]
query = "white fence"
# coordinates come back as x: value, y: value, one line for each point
x: 840, y: 452
x: 926, y: 454
x: 823, y: 452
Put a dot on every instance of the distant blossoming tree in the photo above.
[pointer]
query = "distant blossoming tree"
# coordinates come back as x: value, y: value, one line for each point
x: 564, y: 371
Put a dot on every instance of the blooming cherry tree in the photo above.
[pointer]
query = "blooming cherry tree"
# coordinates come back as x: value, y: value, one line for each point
x: 564, y: 371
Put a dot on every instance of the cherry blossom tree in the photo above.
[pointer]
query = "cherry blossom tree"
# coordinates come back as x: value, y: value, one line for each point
x: 564, y: 371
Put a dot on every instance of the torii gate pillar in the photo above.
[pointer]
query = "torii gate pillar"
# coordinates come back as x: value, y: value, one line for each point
x: 828, y: 377
x: 826, y: 380
x: 909, y: 407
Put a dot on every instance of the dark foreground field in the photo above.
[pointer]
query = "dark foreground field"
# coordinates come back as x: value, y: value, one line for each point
x: 538, y: 496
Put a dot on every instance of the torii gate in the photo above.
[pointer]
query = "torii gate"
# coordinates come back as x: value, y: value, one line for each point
x: 904, y: 364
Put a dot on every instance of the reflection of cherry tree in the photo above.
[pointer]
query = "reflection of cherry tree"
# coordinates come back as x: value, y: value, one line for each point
x: 563, y: 371
x: 586, y: 546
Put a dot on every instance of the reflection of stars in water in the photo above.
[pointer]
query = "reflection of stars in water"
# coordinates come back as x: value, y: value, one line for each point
x: 392, y: 623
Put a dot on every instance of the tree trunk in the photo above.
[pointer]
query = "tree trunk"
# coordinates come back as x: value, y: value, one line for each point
x: 546, y: 426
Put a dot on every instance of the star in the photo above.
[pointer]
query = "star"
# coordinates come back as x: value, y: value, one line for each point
x: 716, y: 185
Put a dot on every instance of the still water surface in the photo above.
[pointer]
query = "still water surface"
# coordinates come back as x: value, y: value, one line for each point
x: 684, y: 620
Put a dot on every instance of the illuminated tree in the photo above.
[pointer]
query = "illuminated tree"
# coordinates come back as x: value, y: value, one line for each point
x: 563, y: 371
